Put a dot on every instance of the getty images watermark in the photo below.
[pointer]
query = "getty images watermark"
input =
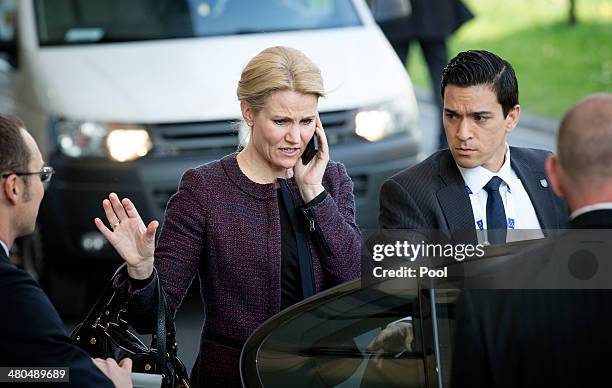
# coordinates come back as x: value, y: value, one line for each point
x: 529, y: 259
x: 410, y: 252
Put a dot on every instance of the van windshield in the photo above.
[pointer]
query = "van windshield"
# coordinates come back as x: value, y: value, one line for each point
x: 62, y: 22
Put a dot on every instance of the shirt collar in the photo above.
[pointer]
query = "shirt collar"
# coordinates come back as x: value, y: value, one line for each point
x: 590, y: 208
x: 477, y: 177
x: 5, y: 247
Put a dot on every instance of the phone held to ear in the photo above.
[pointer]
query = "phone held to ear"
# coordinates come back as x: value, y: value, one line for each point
x: 311, y: 150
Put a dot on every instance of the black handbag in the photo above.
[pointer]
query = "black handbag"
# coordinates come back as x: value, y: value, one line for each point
x: 105, y: 333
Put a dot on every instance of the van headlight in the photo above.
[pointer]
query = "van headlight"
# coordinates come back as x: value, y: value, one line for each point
x: 122, y: 143
x: 128, y: 144
x: 390, y: 118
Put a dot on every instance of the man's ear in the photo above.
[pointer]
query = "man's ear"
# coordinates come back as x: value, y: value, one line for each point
x: 10, y: 189
x: 512, y: 118
x: 247, y: 113
x: 555, y: 173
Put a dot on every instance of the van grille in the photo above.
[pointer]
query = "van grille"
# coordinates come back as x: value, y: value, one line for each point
x: 222, y: 135
x: 192, y: 138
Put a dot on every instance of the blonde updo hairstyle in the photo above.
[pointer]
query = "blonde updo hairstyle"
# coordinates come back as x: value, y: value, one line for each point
x: 275, y: 69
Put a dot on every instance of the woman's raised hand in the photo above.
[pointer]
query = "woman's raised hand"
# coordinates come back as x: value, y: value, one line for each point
x: 134, y: 241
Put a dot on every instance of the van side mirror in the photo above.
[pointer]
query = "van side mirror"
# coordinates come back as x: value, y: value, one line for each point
x: 8, y: 50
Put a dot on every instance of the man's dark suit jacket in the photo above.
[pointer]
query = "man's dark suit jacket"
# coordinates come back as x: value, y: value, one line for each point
x: 432, y: 195
x: 428, y: 19
x: 32, y: 333
x: 538, y: 337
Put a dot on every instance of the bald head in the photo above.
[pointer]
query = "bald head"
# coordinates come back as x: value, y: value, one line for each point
x: 584, y: 143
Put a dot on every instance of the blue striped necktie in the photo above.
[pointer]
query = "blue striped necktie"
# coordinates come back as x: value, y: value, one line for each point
x: 496, y: 214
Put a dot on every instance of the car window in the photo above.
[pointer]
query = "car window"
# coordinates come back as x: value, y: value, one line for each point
x: 8, y: 9
x: 326, y: 346
x: 86, y: 21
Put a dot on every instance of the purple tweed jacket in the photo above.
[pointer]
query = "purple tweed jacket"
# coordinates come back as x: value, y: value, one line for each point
x: 226, y: 228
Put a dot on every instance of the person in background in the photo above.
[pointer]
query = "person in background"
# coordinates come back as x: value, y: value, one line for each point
x: 261, y: 228
x: 428, y: 22
x: 31, y: 332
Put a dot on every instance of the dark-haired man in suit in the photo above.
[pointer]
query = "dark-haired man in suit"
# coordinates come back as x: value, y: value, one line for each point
x: 554, y: 330
x: 479, y: 183
x: 31, y: 332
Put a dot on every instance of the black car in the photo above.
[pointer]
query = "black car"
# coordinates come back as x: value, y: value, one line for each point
x: 323, y: 341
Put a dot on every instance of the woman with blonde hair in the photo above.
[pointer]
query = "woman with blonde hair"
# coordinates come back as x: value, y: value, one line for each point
x: 262, y: 228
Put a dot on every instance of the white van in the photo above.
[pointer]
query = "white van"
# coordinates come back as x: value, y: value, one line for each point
x: 85, y: 71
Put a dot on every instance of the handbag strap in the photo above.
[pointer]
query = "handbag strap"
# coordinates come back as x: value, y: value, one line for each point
x: 160, y: 329
x: 164, y: 331
x: 165, y: 328
x: 104, y: 299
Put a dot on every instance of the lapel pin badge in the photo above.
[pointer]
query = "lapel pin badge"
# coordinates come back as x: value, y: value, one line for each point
x: 544, y: 183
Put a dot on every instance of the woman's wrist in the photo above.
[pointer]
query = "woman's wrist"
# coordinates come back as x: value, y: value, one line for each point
x: 310, y: 192
x: 142, y: 271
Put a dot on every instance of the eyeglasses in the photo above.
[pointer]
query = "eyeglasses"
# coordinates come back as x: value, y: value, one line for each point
x: 45, y: 174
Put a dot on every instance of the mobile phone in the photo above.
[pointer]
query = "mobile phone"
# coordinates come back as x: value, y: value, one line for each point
x: 311, y: 150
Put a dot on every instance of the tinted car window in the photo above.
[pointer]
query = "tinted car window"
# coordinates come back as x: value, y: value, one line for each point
x: 325, y: 345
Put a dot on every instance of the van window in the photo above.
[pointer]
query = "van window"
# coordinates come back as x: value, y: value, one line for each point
x: 63, y: 22
x: 8, y: 8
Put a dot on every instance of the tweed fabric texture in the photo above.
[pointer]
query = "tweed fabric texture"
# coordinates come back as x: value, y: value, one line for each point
x: 225, y: 228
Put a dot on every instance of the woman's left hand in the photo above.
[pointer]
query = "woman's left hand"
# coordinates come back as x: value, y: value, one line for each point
x: 310, y: 177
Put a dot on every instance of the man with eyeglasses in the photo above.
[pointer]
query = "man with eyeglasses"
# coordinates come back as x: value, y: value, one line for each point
x: 45, y: 174
x: 31, y: 332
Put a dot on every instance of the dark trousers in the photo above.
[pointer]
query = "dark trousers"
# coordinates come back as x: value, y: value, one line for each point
x: 436, y: 56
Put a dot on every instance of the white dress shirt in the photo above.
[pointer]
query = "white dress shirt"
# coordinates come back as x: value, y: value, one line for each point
x: 524, y: 213
x: 591, y: 208
x: 6, y: 250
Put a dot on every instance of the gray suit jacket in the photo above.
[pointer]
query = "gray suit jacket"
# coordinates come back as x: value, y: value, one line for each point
x: 432, y: 195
